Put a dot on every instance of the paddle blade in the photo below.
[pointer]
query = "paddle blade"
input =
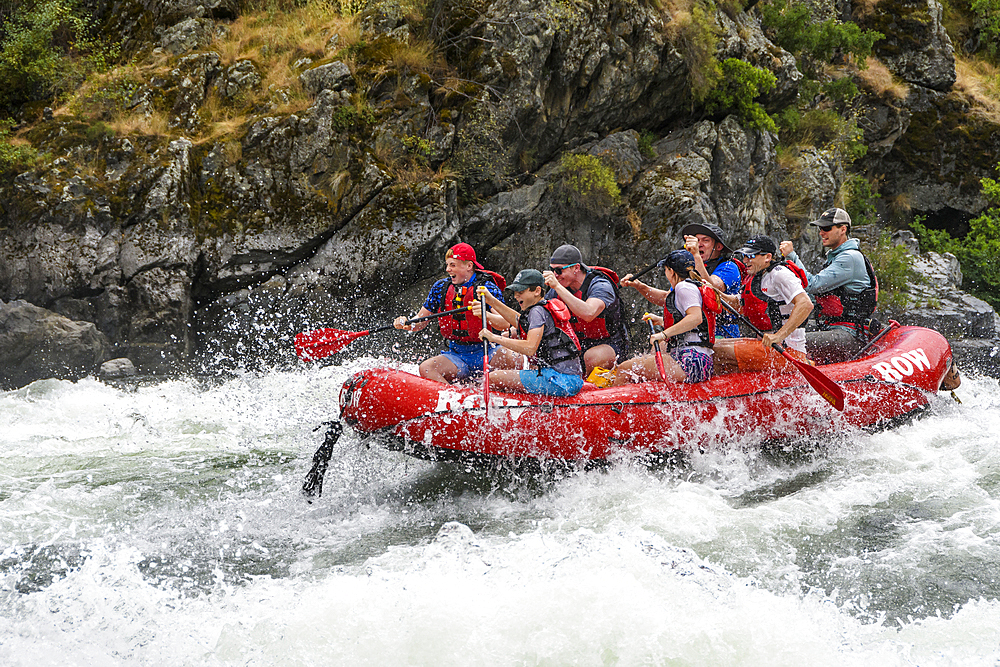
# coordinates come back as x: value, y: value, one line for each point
x: 313, y: 345
x: 826, y: 387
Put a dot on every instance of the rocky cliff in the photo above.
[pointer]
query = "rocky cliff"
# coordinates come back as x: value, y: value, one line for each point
x: 193, y: 244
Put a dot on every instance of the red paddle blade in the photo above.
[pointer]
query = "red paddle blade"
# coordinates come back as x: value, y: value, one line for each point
x: 313, y: 345
x: 826, y: 387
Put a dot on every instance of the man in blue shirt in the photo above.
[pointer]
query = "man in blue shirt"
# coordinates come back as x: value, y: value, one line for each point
x: 707, y: 242
x: 845, y: 290
x: 464, y: 356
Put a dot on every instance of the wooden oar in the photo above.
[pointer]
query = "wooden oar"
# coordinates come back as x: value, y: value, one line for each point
x: 659, y: 356
x: 826, y: 387
x: 320, y: 343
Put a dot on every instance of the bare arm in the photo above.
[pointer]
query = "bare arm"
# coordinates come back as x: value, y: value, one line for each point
x: 655, y: 296
x: 801, y: 307
x: 692, y: 318
x: 528, y: 346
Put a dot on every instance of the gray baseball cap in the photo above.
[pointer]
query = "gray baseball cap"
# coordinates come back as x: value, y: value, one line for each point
x: 708, y: 229
x: 833, y: 216
x: 566, y: 254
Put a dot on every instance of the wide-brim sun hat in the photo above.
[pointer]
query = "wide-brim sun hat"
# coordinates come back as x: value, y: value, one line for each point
x: 708, y: 229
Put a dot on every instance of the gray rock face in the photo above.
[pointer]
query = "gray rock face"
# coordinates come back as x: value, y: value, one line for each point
x: 331, y: 76
x: 187, y: 35
x: 917, y: 48
x: 938, y: 302
x: 36, y: 344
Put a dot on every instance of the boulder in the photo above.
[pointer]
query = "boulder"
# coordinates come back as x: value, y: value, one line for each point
x: 37, y: 344
x: 937, y: 302
x: 187, y: 35
x: 330, y: 76
x: 114, y: 369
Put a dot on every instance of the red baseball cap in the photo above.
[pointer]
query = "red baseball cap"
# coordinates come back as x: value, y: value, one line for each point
x: 465, y: 253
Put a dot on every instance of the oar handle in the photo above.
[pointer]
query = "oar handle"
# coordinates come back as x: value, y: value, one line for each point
x: 645, y: 271
x: 659, y: 356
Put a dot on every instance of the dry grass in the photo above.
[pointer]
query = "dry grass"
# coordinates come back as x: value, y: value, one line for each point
x: 864, y: 7
x: 899, y: 205
x: 156, y: 124
x: 979, y: 81
x: 877, y: 79
x: 634, y: 222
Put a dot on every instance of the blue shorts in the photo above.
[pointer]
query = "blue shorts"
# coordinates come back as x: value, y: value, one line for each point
x: 550, y: 382
x: 468, y: 359
x: 696, y: 364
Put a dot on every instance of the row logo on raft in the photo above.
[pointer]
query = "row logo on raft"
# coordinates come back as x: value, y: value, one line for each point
x: 452, y: 401
x: 905, y: 365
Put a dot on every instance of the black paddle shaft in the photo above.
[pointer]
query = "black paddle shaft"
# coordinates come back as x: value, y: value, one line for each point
x: 414, y: 320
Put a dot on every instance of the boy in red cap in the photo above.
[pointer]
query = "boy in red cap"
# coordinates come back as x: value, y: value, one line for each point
x: 464, y: 356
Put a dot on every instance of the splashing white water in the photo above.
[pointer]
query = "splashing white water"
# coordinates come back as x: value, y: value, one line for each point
x: 162, y: 524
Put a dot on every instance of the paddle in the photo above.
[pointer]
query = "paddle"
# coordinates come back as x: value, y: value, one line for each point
x: 313, y: 345
x: 645, y: 271
x: 889, y: 327
x: 659, y: 356
x: 486, y: 358
x: 826, y: 387
x: 313, y: 486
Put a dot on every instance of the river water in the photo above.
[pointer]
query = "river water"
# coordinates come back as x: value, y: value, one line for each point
x: 162, y: 524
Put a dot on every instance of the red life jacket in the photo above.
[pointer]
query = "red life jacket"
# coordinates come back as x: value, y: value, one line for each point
x: 710, y: 307
x: 566, y: 344
x: 456, y: 327
x: 759, y: 308
x: 611, y: 321
x: 839, y: 307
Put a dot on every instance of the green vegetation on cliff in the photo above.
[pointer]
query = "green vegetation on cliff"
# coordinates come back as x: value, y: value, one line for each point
x: 977, y: 251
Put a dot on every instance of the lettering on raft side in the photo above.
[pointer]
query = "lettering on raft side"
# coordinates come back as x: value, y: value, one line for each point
x: 904, y: 365
x: 450, y: 400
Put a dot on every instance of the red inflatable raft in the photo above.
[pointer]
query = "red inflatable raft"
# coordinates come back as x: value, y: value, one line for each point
x: 430, y: 420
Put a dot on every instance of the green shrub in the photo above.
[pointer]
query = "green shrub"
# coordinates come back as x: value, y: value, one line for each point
x: 859, y: 200
x: 47, y: 50
x: 987, y: 21
x: 696, y: 40
x: 14, y: 157
x: 646, y: 141
x: 791, y: 26
x: 823, y: 128
x: 977, y: 251
x: 587, y: 183
x: 741, y: 84
x: 894, y: 267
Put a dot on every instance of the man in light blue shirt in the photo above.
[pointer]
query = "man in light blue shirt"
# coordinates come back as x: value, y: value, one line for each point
x: 845, y: 290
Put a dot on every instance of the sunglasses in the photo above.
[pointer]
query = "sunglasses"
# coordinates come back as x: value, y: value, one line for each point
x: 559, y: 269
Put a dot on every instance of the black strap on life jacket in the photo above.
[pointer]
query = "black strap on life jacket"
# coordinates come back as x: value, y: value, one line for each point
x: 547, y: 356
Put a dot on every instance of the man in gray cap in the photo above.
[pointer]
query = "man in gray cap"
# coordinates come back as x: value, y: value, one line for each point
x: 592, y: 297
x: 845, y: 290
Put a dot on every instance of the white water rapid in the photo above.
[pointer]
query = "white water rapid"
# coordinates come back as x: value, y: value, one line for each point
x: 162, y: 524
